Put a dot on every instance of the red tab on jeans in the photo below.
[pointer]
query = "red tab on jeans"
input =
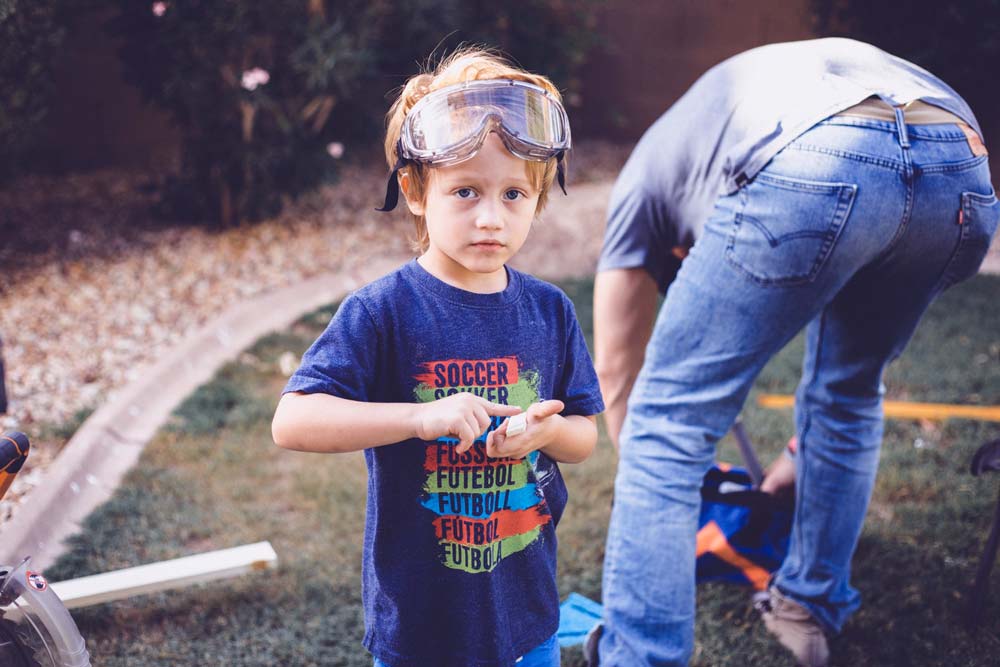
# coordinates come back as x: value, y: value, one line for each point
x: 976, y: 144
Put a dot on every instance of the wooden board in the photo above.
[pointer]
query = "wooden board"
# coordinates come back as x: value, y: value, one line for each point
x: 165, y: 575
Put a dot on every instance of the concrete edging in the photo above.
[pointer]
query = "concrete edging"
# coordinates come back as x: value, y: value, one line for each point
x: 92, y: 464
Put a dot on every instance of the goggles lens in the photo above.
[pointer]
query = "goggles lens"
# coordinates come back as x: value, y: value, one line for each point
x: 449, y: 125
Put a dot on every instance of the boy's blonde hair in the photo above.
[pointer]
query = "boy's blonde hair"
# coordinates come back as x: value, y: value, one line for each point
x: 465, y: 64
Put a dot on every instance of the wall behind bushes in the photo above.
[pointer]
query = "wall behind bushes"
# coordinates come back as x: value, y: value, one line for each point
x: 655, y: 50
x: 97, y: 119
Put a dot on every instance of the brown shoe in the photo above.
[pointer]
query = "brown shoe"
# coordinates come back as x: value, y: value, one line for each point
x: 795, y: 628
x: 590, y: 645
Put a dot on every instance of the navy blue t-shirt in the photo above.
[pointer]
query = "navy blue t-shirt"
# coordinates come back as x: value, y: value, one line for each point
x: 459, y: 562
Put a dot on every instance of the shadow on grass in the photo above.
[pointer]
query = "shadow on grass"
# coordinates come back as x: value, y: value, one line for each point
x: 213, y: 479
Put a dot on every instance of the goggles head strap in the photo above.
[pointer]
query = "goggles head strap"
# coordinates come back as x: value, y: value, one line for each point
x: 561, y: 171
x: 392, y: 185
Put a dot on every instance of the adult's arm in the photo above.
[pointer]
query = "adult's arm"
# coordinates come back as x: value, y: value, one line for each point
x: 624, y: 312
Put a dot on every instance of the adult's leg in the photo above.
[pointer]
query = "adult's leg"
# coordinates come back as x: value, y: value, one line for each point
x: 722, y: 319
x: 839, y: 401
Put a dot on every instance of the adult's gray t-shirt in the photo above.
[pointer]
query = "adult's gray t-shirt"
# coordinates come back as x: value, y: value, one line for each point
x: 730, y: 123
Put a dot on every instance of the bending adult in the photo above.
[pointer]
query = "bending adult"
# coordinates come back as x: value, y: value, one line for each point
x: 822, y: 184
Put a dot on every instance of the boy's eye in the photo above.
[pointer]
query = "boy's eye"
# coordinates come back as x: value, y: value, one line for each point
x: 512, y: 195
x: 464, y: 193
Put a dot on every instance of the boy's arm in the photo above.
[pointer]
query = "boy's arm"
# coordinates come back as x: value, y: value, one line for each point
x: 324, y: 423
x: 575, y: 441
x: 569, y: 439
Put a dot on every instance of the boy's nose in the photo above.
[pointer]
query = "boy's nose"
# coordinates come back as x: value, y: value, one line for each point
x: 488, y: 216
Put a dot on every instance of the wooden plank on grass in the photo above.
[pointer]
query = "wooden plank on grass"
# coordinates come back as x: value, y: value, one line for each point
x: 905, y: 409
x: 165, y: 575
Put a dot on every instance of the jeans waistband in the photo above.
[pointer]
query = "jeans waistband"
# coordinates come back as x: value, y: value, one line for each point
x: 948, y: 132
x: 917, y: 112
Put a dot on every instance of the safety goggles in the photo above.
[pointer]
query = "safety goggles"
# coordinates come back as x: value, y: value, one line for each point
x: 449, y: 126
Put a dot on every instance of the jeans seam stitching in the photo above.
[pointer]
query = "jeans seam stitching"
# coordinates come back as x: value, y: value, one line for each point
x: 806, y: 425
x: 944, y: 139
x: 943, y: 281
x: 966, y: 164
x: 890, y: 126
x: 903, y: 223
x: 796, y: 185
x: 850, y: 155
x: 840, y: 215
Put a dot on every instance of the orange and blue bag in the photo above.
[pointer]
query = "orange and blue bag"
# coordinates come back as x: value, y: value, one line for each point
x: 743, y: 532
x: 13, y: 452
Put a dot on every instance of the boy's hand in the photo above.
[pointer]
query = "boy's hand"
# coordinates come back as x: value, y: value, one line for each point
x: 463, y: 415
x: 542, y: 421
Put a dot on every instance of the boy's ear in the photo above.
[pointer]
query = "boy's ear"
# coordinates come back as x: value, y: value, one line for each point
x: 416, y: 207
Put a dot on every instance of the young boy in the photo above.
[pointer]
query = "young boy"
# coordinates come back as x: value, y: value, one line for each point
x: 423, y: 368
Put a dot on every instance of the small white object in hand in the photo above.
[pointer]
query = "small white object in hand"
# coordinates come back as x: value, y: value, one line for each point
x: 517, y: 424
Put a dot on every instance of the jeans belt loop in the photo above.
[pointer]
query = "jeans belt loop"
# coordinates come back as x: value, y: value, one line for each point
x: 904, y: 137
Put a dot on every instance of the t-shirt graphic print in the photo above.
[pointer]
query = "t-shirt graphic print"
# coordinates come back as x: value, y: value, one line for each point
x: 485, y: 508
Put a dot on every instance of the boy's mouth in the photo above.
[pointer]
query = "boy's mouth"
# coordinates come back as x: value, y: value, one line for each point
x: 488, y: 245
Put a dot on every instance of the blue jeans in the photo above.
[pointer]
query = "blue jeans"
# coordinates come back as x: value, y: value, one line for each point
x: 850, y: 231
x: 545, y: 654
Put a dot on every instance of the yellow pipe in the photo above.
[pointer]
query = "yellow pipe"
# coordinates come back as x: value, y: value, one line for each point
x: 906, y: 409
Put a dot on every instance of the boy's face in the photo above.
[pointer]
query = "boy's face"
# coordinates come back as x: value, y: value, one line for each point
x: 478, y: 215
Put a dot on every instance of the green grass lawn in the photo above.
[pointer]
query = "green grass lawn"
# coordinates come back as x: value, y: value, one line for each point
x: 213, y: 479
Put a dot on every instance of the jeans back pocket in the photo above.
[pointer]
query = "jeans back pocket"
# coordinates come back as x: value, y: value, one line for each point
x: 785, y: 229
x: 979, y: 217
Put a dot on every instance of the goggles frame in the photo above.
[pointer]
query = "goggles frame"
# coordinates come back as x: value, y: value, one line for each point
x: 519, y: 144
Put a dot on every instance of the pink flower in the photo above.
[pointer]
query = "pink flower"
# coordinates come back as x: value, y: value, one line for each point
x: 255, y: 77
x: 335, y: 149
x: 159, y: 8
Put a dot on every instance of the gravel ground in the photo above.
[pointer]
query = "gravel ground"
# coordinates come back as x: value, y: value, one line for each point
x: 94, y: 290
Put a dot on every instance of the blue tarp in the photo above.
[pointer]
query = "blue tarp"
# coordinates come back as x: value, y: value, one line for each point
x: 577, y: 615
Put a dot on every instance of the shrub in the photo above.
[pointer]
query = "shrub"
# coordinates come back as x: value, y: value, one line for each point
x: 30, y: 34
x: 266, y: 92
x: 251, y: 85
